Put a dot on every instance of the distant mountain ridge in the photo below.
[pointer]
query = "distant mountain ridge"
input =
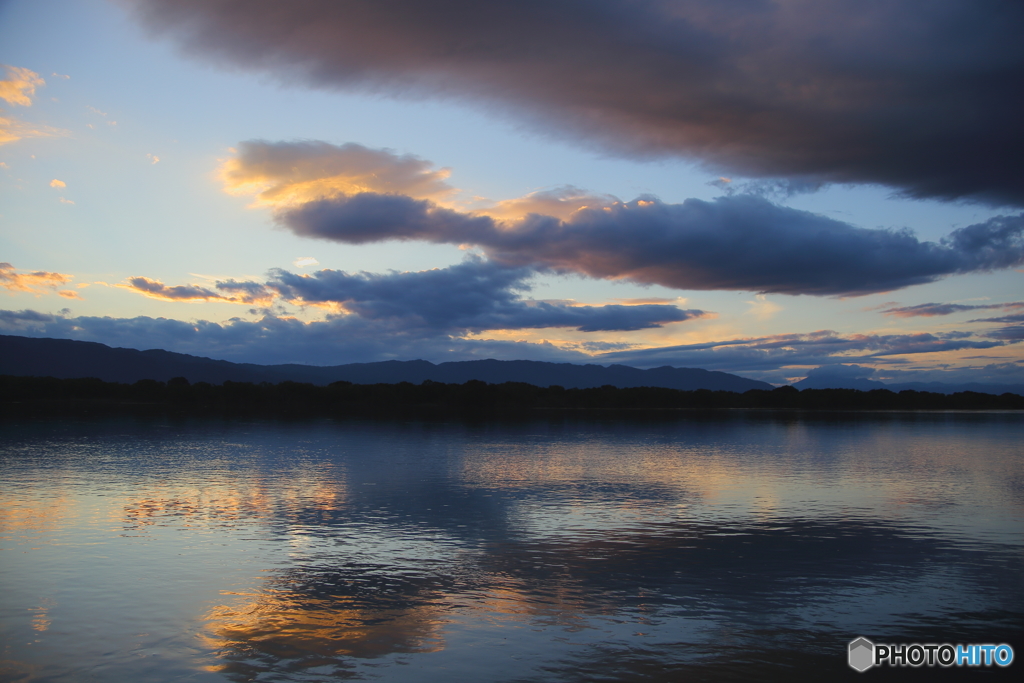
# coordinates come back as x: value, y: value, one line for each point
x: 864, y: 384
x: 66, y: 358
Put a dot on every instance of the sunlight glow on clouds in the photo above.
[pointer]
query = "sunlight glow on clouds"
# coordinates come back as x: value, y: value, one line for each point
x: 355, y: 195
x: 469, y: 297
x: 860, y: 147
x: 810, y: 91
x: 36, y: 282
x: 20, y: 85
x: 293, y: 173
x: 18, y: 88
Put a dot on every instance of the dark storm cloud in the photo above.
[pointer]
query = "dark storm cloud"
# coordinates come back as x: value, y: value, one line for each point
x: 920, y: 95
x: 934, y: 309
x: 472, y: 296
x: 739, y: 242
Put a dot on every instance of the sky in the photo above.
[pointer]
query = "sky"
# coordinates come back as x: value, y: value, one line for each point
x: 765, y: 187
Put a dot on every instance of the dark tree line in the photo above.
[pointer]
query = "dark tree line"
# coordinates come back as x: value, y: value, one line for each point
x: 473, y: 396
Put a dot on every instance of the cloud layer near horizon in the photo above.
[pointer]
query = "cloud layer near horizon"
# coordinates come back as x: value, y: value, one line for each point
x: 919, y: 95
x: 353, y: 339
x: 472, y: 296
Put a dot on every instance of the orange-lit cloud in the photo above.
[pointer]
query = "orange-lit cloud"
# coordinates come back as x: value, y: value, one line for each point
x: 36, y: 282
x: 12, y: 130
x: 20, y: 86
x: 154, y: 289
x: 560, y: 202
x: 290, y: 173
x: 58, y: 183
x: 763, y: 309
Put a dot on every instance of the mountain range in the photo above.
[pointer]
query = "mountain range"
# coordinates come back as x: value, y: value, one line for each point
x: 864, y: 384
x: 65, y: 358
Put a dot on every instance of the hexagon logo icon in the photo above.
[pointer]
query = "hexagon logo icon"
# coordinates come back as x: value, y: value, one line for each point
x: 861, y: 654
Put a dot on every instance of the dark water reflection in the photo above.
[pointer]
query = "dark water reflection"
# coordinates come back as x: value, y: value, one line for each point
x: 747, y: 548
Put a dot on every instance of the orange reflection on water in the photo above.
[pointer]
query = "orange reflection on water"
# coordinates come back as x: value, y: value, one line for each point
x: 295, y: 630
x: 25, y: 514
x: 256, y: 499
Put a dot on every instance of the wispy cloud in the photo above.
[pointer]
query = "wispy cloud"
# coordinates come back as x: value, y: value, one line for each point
x: 937, y: 309
x: 816, y: 348
x: 19, y: 87
x: 155, y: 289
x: 35, y: 282
x: 12, y: 130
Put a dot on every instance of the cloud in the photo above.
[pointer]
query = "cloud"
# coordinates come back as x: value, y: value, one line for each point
x: 1017, y: 318
x: 469, y: 297
x: 271, y: 340
x: 20, y: 85
x: 303, y: 261
x: 841, y: 371
x: 153, y: 159
x: 935, y: 309
x: 36, y: 282
x: 1009, y: 333
x: 353, y: 338
x: 244, y: 293
x: 919, y: 95
x: 288, y: 173
x: 773, y: 352
x: 561, y: 202
x: 18, y: 88
x: 12, y: 130
x: 58, y: 183
x: 1012, y: 330
x: 762, y: 309
x: 739, y: 242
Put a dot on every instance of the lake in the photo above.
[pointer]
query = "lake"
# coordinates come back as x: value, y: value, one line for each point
x: 746, y: 546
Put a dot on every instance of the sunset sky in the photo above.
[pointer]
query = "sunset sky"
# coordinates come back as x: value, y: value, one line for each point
x: 763, y: 187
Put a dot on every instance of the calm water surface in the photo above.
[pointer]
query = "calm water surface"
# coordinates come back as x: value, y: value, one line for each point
x: 742, y: 548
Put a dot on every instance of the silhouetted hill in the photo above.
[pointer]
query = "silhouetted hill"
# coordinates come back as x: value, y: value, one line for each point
x: 65, y: 358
